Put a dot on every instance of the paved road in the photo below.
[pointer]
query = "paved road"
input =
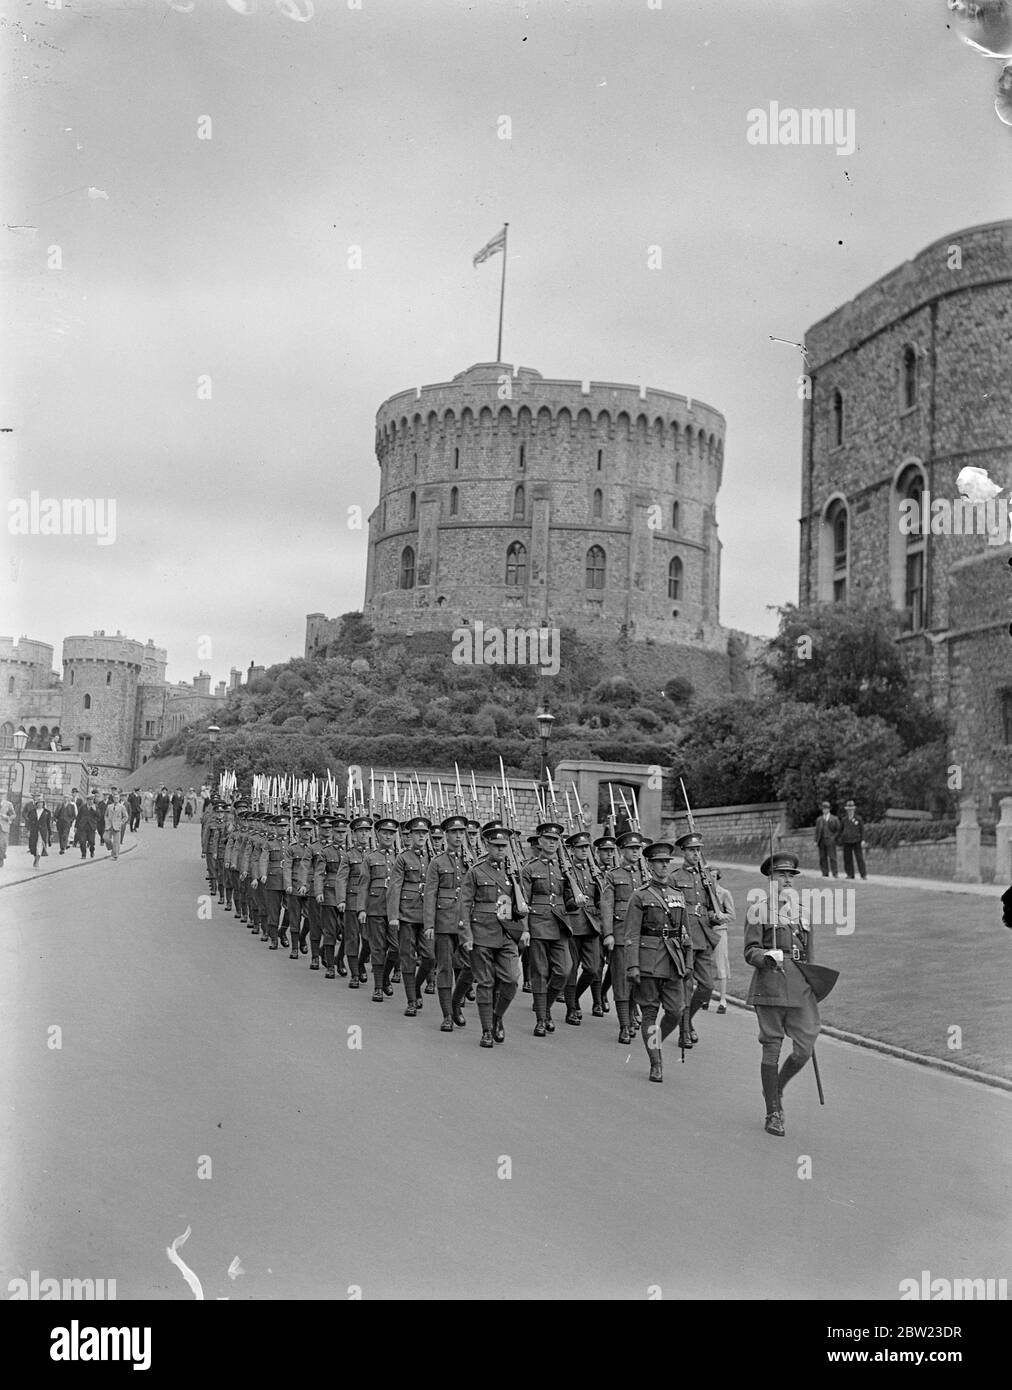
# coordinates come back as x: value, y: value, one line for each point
x: 378, y: 1167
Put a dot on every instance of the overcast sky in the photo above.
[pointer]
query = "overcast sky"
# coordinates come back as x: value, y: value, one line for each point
x: 377, y: 127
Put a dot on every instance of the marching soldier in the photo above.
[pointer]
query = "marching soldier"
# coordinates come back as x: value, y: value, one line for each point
x: 339, y: 822
x: 442, y: 919
x: 782, y: 997
x: 270, y: 873
x: 215, y: 829
x: 221, y: 847
x: 607, y: 852
x: 326, y: 867
x: 297, y: 867
x: 620, y: 883
x: 383, y: 945
x: 352, y: 882
x: 658, y: 952
x: 583, y: 902
x: 487, y: 907
x: 249, y: 855
x: 405, y: 914
x: 704, y: 916
x: 543, y: 886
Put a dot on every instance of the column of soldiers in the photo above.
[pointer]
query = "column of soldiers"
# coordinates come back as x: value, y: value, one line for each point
x: 457, y: 911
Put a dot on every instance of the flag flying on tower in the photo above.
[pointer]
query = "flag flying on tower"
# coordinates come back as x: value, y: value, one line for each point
x: 497, y: 243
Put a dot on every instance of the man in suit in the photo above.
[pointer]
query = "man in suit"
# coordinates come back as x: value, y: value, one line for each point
x: 827, y: 829
x: 177, y: 807
x: 781, y: 996
x: 6, y: 821
x: 85, y: 827
x: 65, y: 816
x: 162, y: 804
x: 116, y: 820
x: 852, y: 840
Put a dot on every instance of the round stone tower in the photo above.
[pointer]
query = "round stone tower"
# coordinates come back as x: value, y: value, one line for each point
x: 520, y: 500
x: 100, y: 679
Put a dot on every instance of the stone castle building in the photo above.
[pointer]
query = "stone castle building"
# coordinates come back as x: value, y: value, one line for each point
x: 910, y: 383
x: 112, y: 704
x: 522, y: 501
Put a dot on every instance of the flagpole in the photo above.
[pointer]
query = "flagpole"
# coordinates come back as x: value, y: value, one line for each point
x: 502, y: 290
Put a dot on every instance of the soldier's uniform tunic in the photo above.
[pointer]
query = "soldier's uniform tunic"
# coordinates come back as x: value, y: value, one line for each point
x: 220, y: 872
x: 495, y: 960
x: 383, y: 945
x: 215, y: 829
x: 542, y: 884
x: 405, y: 906
x: 352, y: 882
x: 248, y: 895
x: 442, y: 912
x: 784, y: 1002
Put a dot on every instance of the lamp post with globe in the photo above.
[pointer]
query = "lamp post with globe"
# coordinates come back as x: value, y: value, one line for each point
x: 20, y: 739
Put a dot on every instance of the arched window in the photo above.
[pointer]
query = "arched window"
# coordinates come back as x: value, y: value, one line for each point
x: 407, y: 568
x: 908, y: 377
x: 416, y: 463
x: 108, y: 678
x: 412, y: 507
x: 523, y: 458
x: 6, y: 735
x: 836, y: 420
x: 516, y: 565
x: 840, y: 555
x: 674, y: 516
x: 597, y: 508
x: 913, y: 560
x: 10, y: 685
x: 519, y: 503
x: 675, y: 578
x: 72, y: 677
x: 600, y: 459
x: 834, y: 552
x: 595, y: 567
x: 456, y: 458
x: 454, y: 500
x: 87, y: 702
x: 383, y: 518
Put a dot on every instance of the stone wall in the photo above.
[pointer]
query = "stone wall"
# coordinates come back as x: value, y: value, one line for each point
x: 725, y: 829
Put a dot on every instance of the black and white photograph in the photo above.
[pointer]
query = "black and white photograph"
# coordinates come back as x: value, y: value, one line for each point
x: 508, y: 628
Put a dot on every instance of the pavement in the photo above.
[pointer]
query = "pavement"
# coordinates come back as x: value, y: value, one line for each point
x: 165, y: 1071
x: 18, y: 866
x: 931, y: 885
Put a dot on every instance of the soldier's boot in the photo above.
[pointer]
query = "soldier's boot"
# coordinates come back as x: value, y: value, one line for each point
x: 771, y: 1094
x: 422, y: 981
x: 396, y: 976
x: 605, y: 987
x: 410, y: 991
x: 541, y: 1010
x: 486, y: 1017
x: 457, y: 1002
x: 378, y: 991
x: 353, y: 973
x: 585, y: 982
x: 573, y: 1014
x: 446, y: 1004
x: 597, y: 998
x: 686, y: 1037
x: 342, y: 969
x: 283, y: 929
x: 303, y: 934
x: 624, y: 1031
x: 656, y: 1067
x: 550, y: 999
x: 388, y: 973
x: 363, y: 961
x: 790, y: 1068
x: 700, y: 1000
x: 328, y: 962
x: 498, y: 1031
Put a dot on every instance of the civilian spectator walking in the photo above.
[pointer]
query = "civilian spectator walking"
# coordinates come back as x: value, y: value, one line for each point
x: 31, y: 819
x: 852, y: 840
x: 100, y: 806
x: 721, y: 961
x: 6, y: 821
x: 65, y: 817
x: 162, y: 806
x: 827, y: 831
x: 116, y: 818
x: 177, y: 807
x: 85, y: 828
x: 148, y: 804
x: 134, y: 810
x: 190, y: 804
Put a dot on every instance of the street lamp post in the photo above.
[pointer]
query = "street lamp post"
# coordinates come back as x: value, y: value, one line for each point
x: 212, y: 733
x: 545, y: 722
x: 20, y: 739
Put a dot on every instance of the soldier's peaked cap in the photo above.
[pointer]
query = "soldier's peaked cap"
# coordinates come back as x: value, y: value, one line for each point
x: 691, y: 840
x: 385, y: 823
x: 782, y: 863
x: 605, y: 842
x: 660, y: 849
x: 474, y: 825
x: 632, y: 839
x: 491, y: 825
x: 417, y: 823
x: 550, y: 827
x: 578, y: 840
x: 338, y: 818
x: 499, y: 835
x: 361, y: 823
x: 307, y: 823
x: 454, y: 823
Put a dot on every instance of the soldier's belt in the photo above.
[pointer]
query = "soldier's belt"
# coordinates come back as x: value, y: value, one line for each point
x: 660, y: 931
